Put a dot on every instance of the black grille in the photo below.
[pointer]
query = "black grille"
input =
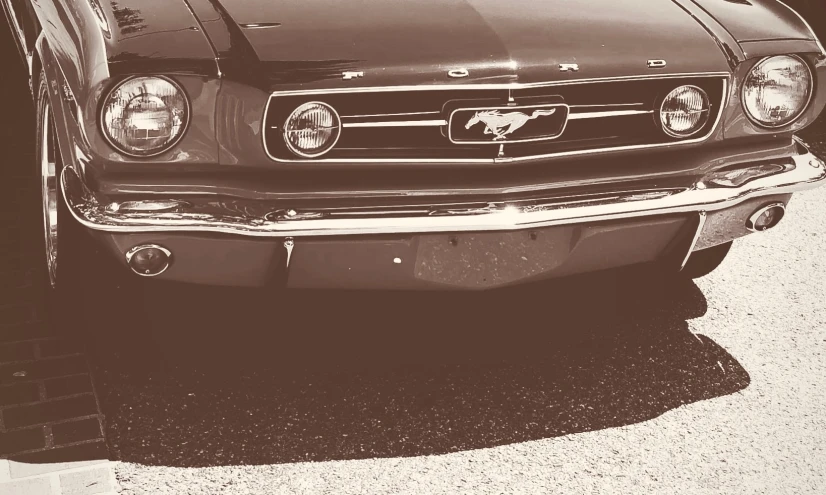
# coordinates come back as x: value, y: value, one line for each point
x: 409, y: 124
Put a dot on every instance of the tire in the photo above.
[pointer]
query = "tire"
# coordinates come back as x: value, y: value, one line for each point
x: 59, y: 236
x: 703, y: 262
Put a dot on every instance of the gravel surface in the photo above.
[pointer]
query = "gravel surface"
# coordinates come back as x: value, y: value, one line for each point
x: 614, y: 384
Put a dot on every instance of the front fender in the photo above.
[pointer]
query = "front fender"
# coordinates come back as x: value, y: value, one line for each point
x: 758, y: 20
x: 85, y: 48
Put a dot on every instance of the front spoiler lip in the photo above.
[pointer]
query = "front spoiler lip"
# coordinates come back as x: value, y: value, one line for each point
x: 715, y: 191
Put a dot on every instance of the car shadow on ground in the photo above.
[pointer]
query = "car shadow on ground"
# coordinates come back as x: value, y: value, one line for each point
x: 220, y: 377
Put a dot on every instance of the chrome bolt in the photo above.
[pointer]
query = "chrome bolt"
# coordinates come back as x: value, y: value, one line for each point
x: 291, y: 213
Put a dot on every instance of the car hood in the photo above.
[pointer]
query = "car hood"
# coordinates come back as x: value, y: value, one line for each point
x: 400, y: 42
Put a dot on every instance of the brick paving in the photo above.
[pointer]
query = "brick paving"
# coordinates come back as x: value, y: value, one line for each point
x: 51, y: 427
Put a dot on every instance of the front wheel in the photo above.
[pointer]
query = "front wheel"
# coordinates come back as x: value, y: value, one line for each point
x: 60, y: 232
x: 705, y: 261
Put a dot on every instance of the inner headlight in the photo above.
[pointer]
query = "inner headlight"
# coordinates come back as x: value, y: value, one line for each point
x: 145, y: 116
x: 777, y: 90
x: 312, y: 129
x: 684, y: 111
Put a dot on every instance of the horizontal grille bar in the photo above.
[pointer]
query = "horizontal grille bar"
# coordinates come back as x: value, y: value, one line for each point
x: 401, y: 123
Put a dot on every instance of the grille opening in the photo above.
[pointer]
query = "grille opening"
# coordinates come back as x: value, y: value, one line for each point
x: 411, y: 125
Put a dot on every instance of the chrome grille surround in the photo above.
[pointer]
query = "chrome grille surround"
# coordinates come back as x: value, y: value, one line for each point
x: 425, y: 119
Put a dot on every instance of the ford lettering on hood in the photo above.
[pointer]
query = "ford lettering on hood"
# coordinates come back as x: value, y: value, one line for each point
x: 514, y: 40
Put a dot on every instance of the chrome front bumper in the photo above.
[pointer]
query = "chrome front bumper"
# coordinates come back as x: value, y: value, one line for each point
x: 418, y: 243
x: 713, y: 192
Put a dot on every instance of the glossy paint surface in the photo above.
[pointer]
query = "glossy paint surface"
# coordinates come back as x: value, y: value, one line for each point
x: 155, y: 35
x: 518, y: 40
x: 756, y: 20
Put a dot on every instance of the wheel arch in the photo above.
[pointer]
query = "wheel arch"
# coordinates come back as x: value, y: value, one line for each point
x: 44, y: 63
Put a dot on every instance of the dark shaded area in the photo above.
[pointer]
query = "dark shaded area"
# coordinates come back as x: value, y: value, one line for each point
x: 127, y: 63
x: 21, y: 306
x: 221, y: 377
x: 814, y: 11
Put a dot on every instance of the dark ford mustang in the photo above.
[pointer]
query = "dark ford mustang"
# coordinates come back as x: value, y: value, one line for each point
x: 426, y: 144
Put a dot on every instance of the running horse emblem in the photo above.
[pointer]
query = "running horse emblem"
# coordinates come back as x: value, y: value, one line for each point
x: 500, y: 125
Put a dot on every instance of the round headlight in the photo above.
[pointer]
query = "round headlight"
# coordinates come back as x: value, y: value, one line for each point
x: 312, y: 129
x: 684, y: 111
x: 145, y: 116
x: 777, y: 90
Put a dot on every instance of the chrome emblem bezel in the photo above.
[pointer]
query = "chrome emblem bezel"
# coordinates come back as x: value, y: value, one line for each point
x: 515, y: 112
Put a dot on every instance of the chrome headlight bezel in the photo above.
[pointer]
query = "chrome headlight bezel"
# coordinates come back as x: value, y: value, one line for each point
x: 329, y: 146
x: 705, y: 113
x: 768, y: 125
x: 186, y: 117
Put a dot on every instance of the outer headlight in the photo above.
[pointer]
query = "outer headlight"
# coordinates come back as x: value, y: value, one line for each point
x: 777, y: 90
x: 312, y: 129
x: 145, y: 116
x: 684, y: 111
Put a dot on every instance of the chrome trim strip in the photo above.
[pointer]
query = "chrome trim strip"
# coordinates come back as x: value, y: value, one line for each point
x: 260, y: 25
x: 808, y: 26
x: 493, y: 86
x: 609, y: 105
x: 408, y: 123
x: 389, y: 115
x: 697, y: 235
x: 600, y: 115
x: 804, y: 172
x: 725, y: 75
x: 436, y: 123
